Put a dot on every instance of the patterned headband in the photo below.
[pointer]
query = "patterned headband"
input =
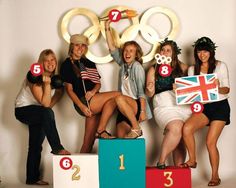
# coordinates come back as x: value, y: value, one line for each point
x: 176, y: 48
x: 204, y: 41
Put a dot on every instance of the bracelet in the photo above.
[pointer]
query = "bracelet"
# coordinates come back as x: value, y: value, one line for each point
x: 107, y: 29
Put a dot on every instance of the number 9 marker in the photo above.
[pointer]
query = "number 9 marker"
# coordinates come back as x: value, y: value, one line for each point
x: 197, y: 107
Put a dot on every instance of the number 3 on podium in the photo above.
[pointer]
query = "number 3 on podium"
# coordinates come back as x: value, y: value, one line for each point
x: 169, y: 179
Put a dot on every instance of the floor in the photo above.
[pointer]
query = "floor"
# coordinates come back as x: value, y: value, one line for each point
x: 228, y: 183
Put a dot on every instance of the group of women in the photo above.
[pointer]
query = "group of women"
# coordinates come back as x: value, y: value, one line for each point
x: 82, y: 83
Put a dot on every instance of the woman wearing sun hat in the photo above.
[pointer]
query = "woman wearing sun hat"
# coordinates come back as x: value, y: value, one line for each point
x: 82, y: 83
x: 216, y: 114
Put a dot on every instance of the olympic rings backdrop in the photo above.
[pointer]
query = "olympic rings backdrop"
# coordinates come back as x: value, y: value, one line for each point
x: 138, y: 26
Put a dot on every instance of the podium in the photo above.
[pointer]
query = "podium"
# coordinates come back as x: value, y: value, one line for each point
x: 73, y: 171
x: 171, y: 177
x: 122, y: 163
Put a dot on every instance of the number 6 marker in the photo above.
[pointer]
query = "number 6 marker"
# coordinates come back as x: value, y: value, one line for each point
x: 66, y: 163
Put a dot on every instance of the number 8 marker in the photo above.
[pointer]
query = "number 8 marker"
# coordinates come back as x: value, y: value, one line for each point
x: 197, y: 107
x: 165, y: 70
x: 36, y: 69
x: 114, y: 15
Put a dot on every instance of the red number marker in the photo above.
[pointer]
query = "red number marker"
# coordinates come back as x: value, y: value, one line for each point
x: 66, y: 163
x: 114, y: 15
x: 165, y: 70
x: 36, y: 69
x: 197, y: 107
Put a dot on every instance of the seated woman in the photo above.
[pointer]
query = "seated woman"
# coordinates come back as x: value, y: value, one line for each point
x: 82, y: 83
x: 215, y: 114
x: 132, y: 105
x: 168, y: 115
x: 33, y: 106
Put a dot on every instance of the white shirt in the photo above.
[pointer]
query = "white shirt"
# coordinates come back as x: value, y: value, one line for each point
x: 25, y: 96
x: 126, y: 89
x: 222, y: 73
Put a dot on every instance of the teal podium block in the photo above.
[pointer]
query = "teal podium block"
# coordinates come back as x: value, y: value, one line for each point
x: 122, y: 163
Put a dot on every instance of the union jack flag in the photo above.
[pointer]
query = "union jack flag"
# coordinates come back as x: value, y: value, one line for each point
x: 89, y: 73
x: 200, y: 88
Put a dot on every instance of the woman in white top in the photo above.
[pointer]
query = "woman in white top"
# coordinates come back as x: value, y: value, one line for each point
x: 216, y: 114
x: 169, y: 116
x: 33, y: 106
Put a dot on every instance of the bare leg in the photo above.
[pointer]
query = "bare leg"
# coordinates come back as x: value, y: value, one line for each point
x: 179, y: 153
x: 122, y: 129
x: 91, y: 124
x: 98, y: 101
x: 213, y: 134
x: 107, y: 112
x: 128, y: 107
x: 171, y: 139
x: 195, y: 122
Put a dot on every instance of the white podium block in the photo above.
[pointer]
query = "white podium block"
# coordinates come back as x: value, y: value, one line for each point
x: 73, y: 171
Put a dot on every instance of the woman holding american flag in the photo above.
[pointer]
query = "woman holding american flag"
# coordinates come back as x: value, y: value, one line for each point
x: 82, y: 83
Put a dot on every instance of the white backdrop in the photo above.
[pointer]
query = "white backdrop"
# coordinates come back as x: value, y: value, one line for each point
x: 29, y: 26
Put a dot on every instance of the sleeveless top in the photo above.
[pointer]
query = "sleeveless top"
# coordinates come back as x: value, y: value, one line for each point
x: 25, y: 96
x: 163, y: 83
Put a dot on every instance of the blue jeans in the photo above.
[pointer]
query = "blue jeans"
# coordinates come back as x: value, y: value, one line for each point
x: 41, y: 123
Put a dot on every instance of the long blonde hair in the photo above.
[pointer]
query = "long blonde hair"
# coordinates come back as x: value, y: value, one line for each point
x: 43, y: 56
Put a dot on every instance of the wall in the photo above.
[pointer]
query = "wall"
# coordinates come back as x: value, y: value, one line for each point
x: 28, y: 26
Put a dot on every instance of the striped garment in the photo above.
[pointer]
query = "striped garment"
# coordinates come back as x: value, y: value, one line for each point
x: 89, y: 73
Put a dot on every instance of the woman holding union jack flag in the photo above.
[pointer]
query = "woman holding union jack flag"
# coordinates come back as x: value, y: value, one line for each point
x: 82, y: 83
x: 215, y: 114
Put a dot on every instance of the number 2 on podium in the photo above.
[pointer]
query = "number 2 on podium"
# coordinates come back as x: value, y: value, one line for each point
x: 75, y: 175
x: 122, y: 167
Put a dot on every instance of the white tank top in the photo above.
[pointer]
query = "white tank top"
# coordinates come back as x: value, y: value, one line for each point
x: 25, y: 96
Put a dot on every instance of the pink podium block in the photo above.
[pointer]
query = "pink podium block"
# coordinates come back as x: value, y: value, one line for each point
x: 172, y: 177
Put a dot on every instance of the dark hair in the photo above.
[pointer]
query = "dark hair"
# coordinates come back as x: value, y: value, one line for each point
x: 175, y: 62
x: 204, y: 43
x: 139, y: 51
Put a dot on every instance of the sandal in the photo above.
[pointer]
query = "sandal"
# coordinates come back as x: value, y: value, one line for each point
x: 104, y: 134
x: 61, y: 152
x: 161, y: 166
x: 134, y: 133
x: 215, y: 182
x: 189, y: 165
x: 39, y: 182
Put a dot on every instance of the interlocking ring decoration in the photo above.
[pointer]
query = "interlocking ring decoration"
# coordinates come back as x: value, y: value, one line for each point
x: 138, y: 26
x: 161, y: 59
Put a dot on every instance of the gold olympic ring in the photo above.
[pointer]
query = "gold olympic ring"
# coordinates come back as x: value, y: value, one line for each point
x: 147, y: 32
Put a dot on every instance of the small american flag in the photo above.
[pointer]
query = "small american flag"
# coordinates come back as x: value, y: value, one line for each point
x: 89, y: 73
x: 196, y: 88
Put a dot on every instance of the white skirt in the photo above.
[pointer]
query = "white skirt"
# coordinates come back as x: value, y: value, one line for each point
x: 165, y: 109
